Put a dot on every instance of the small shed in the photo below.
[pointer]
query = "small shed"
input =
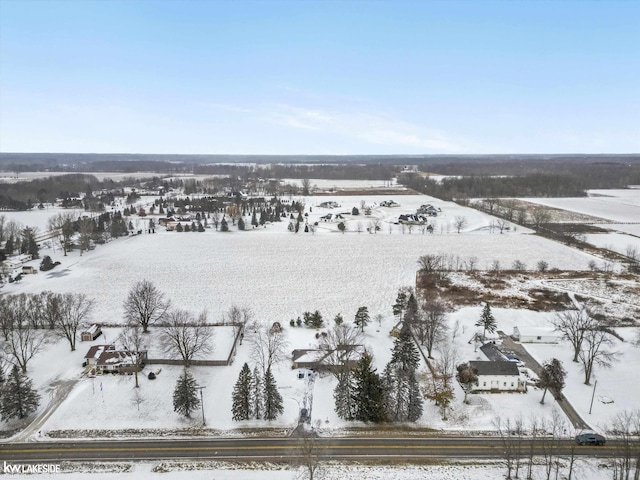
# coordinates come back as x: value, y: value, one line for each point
x: 536, y: 335
x: 91, y: 333
x: 28, y: 269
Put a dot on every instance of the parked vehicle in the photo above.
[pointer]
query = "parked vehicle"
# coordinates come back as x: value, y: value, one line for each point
x: 590, y: 439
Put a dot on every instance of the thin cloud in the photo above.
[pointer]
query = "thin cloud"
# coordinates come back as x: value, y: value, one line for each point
x: 368, y: 128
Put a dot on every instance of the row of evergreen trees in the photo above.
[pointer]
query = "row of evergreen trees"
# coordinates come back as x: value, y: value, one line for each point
x: 256, y: 396
x: 393, y: 396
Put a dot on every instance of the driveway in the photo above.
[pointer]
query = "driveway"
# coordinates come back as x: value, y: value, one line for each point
x: 510, y: 346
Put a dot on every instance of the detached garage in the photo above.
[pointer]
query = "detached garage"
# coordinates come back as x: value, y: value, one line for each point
x: 536, y: 335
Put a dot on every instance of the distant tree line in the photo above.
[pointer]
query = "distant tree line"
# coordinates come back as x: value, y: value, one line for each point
x: 530, y: 185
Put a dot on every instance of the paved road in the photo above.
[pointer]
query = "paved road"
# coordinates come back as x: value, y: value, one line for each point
x: 283, y: 449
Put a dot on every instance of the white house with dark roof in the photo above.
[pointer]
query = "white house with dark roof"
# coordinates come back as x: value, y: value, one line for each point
x: 498, y: 376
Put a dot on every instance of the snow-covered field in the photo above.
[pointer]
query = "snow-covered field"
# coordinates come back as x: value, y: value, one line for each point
x: 617, y: 242
x: 615, y: 205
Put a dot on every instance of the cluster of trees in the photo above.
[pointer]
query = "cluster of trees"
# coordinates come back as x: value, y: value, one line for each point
x: 256, y: 395
x: 25, y: 319
x: 591, y: 340
x: 529, y: 185
x: 364, y: 394
x: 315, y: 320
x: 25, y: 195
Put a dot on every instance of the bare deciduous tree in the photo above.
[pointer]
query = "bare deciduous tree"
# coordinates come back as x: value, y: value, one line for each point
x: 61, y: 225
x: 460, y: 222
x: 540, y: 215
x: 23, y: 344
x: 594, y: 351
x: 145, y: 304
x: 137, y: 398
x: 238, y: 315
x: 502, y: 225
x: 625, y: 425
x: 73, y: 310
x: 310, y: 455
x: 431, y: 326
x: 186, y: 337
x: 573, y: 324
x: 268, y: 345
x: 133, y: 340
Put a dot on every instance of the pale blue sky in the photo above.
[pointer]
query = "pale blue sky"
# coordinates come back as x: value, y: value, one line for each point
x: 320, y: 77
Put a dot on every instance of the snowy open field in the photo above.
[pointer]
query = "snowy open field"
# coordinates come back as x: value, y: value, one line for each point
x: 614, y: 205
x: 617, y: 242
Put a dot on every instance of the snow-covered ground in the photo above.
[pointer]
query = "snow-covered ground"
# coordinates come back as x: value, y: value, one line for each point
x: 584, y: 469
x: 279, y: 275
x: 617, y: 242
x: 615, y: 205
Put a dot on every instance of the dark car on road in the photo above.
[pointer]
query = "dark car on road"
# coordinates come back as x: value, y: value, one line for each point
x: 590, y: 439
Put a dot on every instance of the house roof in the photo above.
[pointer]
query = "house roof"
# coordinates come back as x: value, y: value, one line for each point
x: 492, y: 352
x: 96, y: 350
x: 495, y: 368
x: 536, y: 331
x: 92, y: 329
x: 113, y: 357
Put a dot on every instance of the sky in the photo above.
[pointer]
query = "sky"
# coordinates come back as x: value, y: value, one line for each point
x: 320, y: 77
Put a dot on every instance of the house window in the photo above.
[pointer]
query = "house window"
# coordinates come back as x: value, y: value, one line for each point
x: 538, y: 338
x: 484, y: 384
x: 512, y: 384
x: 504, y: 384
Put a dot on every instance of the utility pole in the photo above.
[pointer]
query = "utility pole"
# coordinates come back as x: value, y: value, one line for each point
x: 202, y: 404
x: 593, y: 395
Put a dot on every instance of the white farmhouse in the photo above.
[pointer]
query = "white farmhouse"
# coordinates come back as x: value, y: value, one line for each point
x: 498, y: 377
x: 536, y: 335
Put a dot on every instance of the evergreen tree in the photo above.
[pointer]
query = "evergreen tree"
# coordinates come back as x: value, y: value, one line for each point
x: 19, y: 398
x: 257, y: 409
x: 344, y: 398
x: 401, y: 303
x: 338, y: 320
x: 254, y: 219
x: 272, y: 398
x: 411, y: 312
x: 224, y: 226
x: 362, y: 318
x: 313, y: 320
x: 551, y: 376
x: 9, y: 245
x: 29, y: 244
x: 403, y: 401
x: 487, y: 321
x: 368, y: 392
x: 240, y: 223
x: 242, y: 395
x: 185, y: 398
x: 414, y: 407
x: 405, y: 354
